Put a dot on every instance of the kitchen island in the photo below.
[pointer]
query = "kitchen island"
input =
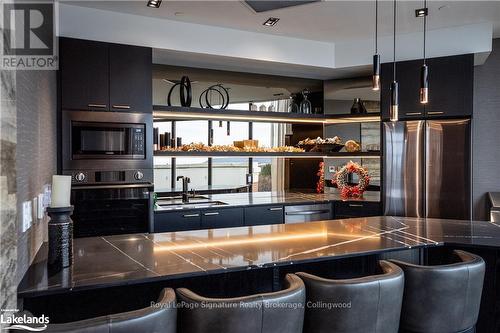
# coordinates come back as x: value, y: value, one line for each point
x: 236, y: 256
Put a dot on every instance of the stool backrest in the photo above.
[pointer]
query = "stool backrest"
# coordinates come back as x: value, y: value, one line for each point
x: 161, y: 318
x: 366, y: 304
x: 443, y: 298
x: 276, y: 312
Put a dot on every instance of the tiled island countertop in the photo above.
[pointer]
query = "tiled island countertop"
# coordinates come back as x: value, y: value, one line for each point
x: 128, y: 259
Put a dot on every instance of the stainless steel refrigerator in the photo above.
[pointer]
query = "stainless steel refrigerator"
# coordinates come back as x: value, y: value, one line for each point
x: 427, y: 168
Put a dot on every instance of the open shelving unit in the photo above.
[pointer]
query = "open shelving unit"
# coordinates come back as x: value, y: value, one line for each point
x: 169, y: 113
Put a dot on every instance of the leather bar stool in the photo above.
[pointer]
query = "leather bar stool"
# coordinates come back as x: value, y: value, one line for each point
x: 444, y: 298
x: 275, y: 312
x: 359, y: 305
x: 158, y: 319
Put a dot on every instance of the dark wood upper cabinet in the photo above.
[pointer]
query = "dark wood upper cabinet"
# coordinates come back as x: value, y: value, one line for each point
x: 408, y: 77
x: 84, y: 74
x: 450, y: 88
x: 103, y: 76
x: 130, y: 84
x: 451, y: 85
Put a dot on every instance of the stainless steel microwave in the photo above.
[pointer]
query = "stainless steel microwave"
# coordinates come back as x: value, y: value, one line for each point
x: 106, y: 140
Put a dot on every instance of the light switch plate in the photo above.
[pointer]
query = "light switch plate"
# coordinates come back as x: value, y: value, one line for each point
x: 34, y: 212
x: 40, y: 207
x: 27, y: 215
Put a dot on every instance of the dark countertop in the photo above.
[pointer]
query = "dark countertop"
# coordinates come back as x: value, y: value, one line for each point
x: 128, y: 259
x: 285, y: 198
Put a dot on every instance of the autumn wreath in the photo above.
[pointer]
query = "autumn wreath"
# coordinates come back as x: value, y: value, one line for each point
x: 346, y: 190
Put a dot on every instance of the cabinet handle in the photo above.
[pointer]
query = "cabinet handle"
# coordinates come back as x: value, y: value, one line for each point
x: 191, y: 215
x: 434, y: 112
x: 275, y: 208
x: 96, y: 105
x: 355, y: 205
x: 413, y: 113
x: 121, y: 107
x: 211, y: 214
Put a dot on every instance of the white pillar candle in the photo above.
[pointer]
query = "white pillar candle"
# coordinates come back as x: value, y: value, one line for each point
x: 61, y: 191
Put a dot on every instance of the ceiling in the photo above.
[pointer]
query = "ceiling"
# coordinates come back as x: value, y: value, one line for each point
x: 329, y: 21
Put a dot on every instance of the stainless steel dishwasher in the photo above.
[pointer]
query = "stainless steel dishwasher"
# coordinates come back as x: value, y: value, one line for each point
x: 308, y: 213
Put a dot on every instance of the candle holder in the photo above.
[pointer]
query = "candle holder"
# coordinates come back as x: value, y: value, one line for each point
x: 60, y: 237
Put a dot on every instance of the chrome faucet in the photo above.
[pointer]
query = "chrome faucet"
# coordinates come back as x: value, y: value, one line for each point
x: 185, y: 190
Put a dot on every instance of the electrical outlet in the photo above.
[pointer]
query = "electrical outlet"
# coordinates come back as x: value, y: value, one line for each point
x: 331, y: 168
x: 47, y: 194
x: 27, y: 216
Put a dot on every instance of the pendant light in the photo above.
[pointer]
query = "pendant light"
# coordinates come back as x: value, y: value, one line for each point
x: 376, y: 56
x: 424, y: 70
x: 394, y: 85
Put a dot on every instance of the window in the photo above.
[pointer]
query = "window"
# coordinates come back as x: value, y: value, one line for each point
x: 224, y: 173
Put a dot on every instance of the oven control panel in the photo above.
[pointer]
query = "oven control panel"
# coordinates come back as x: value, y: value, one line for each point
x: 138, y: 142
x: 96, y: 177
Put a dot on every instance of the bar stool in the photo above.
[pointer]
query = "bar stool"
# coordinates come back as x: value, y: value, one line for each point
x: 154, y: 319
x: 444, y: 298
x: 275, y: 312
x: 359, y: 305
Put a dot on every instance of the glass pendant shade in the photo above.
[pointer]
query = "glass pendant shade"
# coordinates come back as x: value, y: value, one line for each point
x: 394, y: 112
x: 424, y: 84
x: 376, y: 73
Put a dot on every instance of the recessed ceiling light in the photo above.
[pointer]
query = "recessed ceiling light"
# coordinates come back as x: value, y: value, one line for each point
x: 271, y: 22
x: 154, y: 3
x: 421, y: 12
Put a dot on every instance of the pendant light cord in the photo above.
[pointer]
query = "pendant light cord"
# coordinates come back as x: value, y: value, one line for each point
x: 376, y: 26
x: 394, y: 44
x: 425, y: 26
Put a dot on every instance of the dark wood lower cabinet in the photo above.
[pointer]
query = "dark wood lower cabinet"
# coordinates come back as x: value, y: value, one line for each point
x: 177, y: 221
x: 222, y: 218
x: 347, y: 209
x: 213, y: 218
x: 262, y: 215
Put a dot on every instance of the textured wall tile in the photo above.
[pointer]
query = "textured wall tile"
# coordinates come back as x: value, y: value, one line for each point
x: 36, y: 160
x: 486, y: 137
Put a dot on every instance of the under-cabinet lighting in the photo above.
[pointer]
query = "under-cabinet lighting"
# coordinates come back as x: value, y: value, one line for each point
x: 168, y: 115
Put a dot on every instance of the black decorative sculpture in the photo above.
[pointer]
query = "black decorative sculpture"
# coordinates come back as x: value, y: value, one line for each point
x: 185, y: 92
x: 220, y: 90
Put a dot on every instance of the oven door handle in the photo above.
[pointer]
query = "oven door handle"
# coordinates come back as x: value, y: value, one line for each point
x: 116, y: 186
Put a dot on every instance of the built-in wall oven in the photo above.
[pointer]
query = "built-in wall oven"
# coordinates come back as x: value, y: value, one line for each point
x: 109, y: 156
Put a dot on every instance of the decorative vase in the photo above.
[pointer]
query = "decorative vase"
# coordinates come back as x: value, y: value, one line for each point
x: 292, y: 106
x: 358, y: 107
x: 305, y: 105
x: 60, y: 237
